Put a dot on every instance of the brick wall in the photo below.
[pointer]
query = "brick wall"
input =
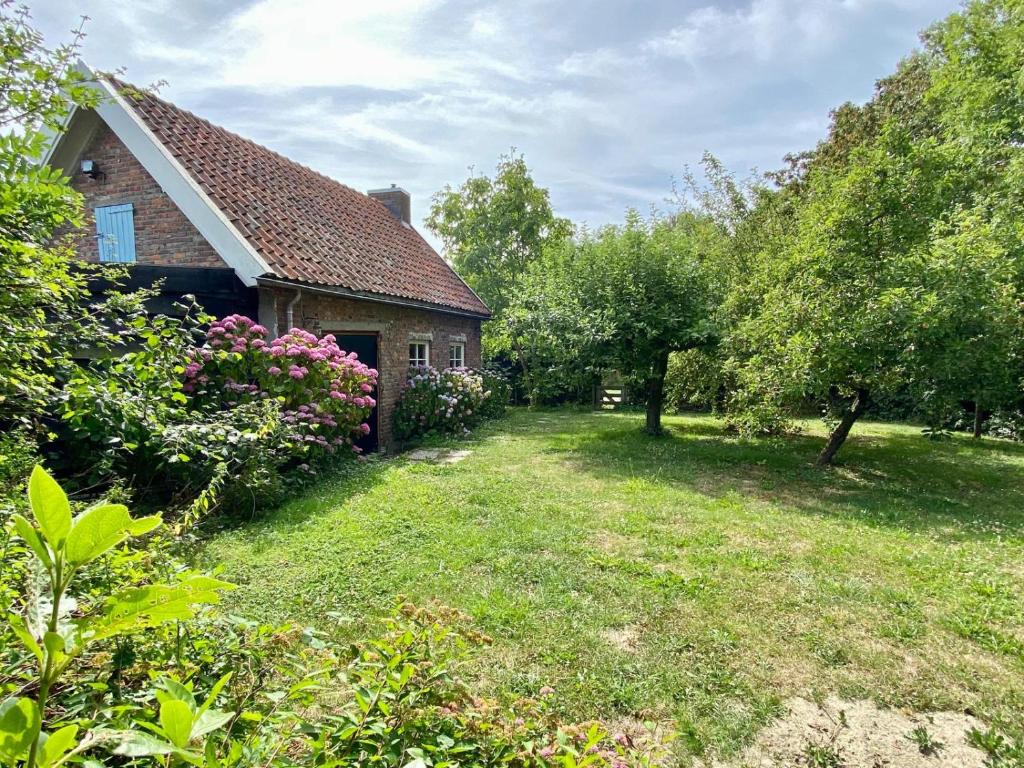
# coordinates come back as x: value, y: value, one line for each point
x: 162, y: 233
x: 396, y: 326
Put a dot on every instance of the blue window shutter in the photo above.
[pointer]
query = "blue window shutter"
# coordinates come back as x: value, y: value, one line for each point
x: 115, y: 233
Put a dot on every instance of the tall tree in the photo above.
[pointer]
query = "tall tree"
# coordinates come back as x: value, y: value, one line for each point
x: 625, y: 298
x: 902, y: 269
x: 492, y: 230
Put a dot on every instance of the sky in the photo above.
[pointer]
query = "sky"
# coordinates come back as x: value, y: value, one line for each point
x: 609, y: 100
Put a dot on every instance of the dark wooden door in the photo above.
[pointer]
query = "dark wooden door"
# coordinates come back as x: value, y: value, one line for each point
x: 365, y: 346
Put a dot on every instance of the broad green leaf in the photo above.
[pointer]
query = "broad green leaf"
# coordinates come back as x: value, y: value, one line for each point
x: 101, y: 528
x: 176, y: 720
x: 19, y: 727
x: 149, y: 606
x: 31, y: 536
x: 210, y: 720
x: 50, y: 507
x: 20, y: 626
x: 138, y: 744
x: 143, y: 525
x: 214, y: 692
x: 96, y: 530
x: 57, y: 744
x: 171, y: 690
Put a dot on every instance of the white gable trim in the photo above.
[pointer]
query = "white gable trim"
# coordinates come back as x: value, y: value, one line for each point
x: 179, y: 185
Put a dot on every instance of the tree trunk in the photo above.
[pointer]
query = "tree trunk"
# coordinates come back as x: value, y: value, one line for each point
x: 842, y: 430
x: 656, y: 394
x: 978, y: 420
x: 531, y: 395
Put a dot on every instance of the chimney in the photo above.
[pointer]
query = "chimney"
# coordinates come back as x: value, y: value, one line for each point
x: 397, y: 200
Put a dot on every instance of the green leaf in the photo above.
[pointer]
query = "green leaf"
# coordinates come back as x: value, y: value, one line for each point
x: 176, y: 720
x: 20, y: 626
x: 149, y: 606
x: 214, y: 692
x: 138, y: 744
x: 31, y: 537
x: 171, y: 690
x: 50, y: 507
x: 210, y: 720
x: 55, y: 649
x: 56, y: 745
x: 19, y: 727
x: 101, y: 528
x: 143, y: 525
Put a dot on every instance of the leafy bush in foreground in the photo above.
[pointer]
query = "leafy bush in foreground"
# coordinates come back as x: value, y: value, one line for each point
x: 444, y: 402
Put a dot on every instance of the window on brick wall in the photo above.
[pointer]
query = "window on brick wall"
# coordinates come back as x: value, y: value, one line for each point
x: 115, y: 233
x: 457, y: 355
x: 419, y: 354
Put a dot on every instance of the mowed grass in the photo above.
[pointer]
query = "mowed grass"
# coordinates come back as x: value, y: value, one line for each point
x: 696, y: 578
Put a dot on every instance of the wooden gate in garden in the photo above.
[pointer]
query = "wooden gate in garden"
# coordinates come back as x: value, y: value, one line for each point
x: 608, y: 397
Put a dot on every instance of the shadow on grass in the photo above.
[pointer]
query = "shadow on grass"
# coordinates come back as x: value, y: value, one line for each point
x: 886, y: 475
x: 298, y: 504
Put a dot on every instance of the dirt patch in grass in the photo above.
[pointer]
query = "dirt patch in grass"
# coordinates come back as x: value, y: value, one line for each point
x: 624, y: 638
x: 858, y: 734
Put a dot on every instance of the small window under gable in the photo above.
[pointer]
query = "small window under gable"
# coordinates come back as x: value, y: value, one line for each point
x: 457, y: 355
x: 115, y: 233
x: 419, y: 354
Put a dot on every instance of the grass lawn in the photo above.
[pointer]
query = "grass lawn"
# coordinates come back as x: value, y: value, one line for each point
x: 696, y: 577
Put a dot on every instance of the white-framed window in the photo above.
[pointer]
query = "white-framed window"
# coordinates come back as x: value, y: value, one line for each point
x: 419, y: 353
x: 457, y: 355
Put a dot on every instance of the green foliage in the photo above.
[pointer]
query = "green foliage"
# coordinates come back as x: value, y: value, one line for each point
x: 900, y: 270
x: 1000, y: 750
x: 44, y: 305
x: 927, y: 744
x: 493, y: 229
x: 62, y: 545
x: 496, y: 382
x: 208, y: 418
x: 621, y: 299
x: 695, y: 380
x: 447, y: 402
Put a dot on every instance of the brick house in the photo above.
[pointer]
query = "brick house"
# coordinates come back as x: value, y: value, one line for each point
x: 249, y: 231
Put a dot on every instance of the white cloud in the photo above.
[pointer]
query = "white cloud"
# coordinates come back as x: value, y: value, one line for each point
x: 283, y: 44
x: 607, y: 100
x: 766, y: 29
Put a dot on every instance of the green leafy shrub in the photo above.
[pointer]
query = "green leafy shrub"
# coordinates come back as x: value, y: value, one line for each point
x: 1006, y: 424
x: 495, y: 382
x: 55, y: 638
x: 444, y: 402
x: 217, y: 416
x: 324, y: 392
x: 694, y: 380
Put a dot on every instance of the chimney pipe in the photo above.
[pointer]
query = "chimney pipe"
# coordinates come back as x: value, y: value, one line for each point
x: 397, y: 201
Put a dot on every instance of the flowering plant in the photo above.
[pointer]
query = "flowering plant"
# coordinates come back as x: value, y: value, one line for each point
x: 325, y: 393
x: 445, y: 402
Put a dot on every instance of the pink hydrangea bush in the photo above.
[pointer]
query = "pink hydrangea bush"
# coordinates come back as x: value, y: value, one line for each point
x: 440, y: 402
x: 325, y: 393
